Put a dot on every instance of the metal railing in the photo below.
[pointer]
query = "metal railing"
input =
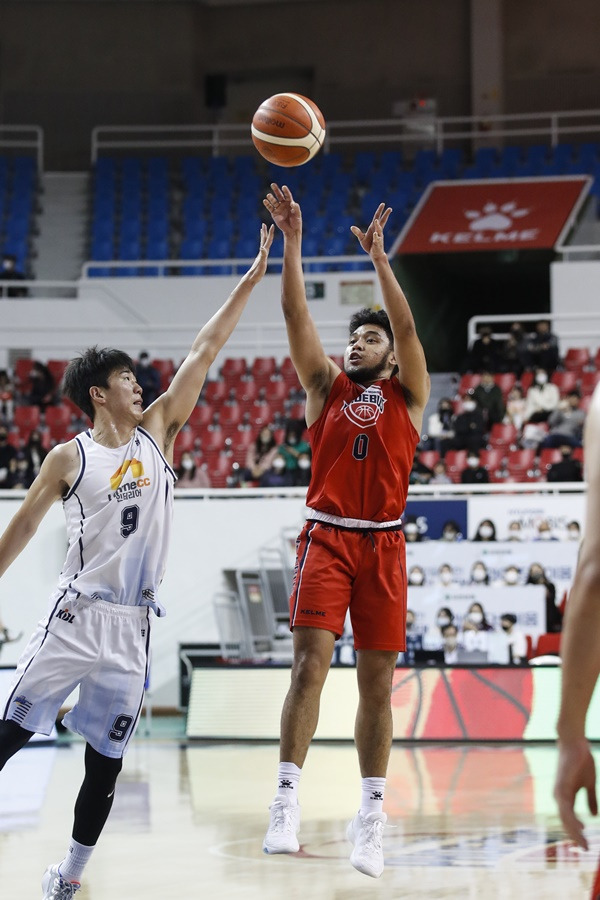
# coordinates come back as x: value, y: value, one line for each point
x: 436, y: 132
x: 24, y: 137
x: 584, y: 318
x: 234, y: 266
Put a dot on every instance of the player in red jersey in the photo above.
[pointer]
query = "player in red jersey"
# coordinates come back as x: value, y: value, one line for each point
x: 580, y: 652
x: 364, y: 424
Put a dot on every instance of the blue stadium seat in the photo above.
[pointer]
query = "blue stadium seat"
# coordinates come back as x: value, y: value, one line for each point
x: 588, y: 155
x: 191, y: 248
x: 451, y: 161
x: 363, y: 165
x: 102, y: 250
x: 563, y: 155
x: 485, y: 160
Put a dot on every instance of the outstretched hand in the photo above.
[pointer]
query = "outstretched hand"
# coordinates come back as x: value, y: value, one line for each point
x: 371, y: 240
x: 259, y: 266
x: 284, y: 210
x: 576, y: 770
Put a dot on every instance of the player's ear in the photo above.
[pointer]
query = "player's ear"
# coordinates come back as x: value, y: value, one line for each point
x: 97, y: 394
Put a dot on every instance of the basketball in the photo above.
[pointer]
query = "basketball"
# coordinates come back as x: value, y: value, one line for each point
x: 288, y: 129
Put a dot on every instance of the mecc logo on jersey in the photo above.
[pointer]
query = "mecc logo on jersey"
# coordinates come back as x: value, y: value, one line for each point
x: 366, y: 409
x: 130, y: 489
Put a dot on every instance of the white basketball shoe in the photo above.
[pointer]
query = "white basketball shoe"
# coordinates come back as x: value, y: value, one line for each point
x: 366, y: 833
x: 281, y: 836
x: 55, y: 887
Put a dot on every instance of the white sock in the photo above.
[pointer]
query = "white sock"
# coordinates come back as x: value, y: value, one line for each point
x: 288, y: 779
x: 72, y: 866
x: 372, y: 793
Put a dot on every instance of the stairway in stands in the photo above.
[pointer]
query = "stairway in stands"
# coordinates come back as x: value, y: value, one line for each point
x: 62, y: 239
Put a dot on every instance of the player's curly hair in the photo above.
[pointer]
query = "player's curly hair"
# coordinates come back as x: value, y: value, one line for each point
x: 92, y: 369
x: 366, y: 316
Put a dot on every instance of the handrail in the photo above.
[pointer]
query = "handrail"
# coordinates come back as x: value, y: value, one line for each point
x: 566, y: 250
x: 233, y: 262
x: 435, y: 131
x: 35, y: 143
x: 584, y: 317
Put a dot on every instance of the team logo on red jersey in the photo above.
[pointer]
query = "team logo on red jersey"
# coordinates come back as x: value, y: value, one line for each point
x: 366, y: 409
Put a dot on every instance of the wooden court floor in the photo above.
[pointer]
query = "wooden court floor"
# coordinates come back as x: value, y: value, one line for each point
x: 465, y: 822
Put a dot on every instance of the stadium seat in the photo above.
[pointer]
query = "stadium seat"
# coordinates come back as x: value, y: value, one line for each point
x: 200, y: 418
x: 577, y: 358
x: 214, y: 392
x: 233, y: 368
x: 503, y: 434
x: 230, y: 414
x: 263, y: 369
x: 468, y: 382
x: 429, y: 458
x: 588, y: 381
x: 565, y: 380
x: 548, y: 644
x: 519, y: 463
x: 455, y: 460
x: 166, y: 369
x: 548, y: 456
x: 56, y: 417
x: 505, y: 381
x: 492, y: 458
x: 26, y: 418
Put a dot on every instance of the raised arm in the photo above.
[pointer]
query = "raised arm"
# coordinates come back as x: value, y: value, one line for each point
x: 580, y: 650
x: 412, y: 367
x: 166, y: 416
x: 315, y: 370
x: 54, y: 478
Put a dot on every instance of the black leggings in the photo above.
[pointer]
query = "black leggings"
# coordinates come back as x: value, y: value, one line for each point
x: 96, y: 794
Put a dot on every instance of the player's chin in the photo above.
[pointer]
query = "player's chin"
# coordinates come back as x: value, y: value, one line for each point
x: 355, y: 373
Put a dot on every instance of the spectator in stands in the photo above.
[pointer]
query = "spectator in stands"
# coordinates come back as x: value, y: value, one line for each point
x: 10, y: 272
x: 416, y: 576
x: 7, y: 397
x: 35, y: 454
x: 450, y: 644
x: 20, y: 478
x: 510, y: 576
x: 515, y: 532
x: 410, y: 527
x: 278, y: 474
x: 303, y: 471
x: 446, y: 575
x: 516, y: 640
x: 541, y: 349
x: 451, y: 531
x: 573, y: 531
x: 542, y: 398
x: 414, y: 639
x: 440, y: 425
x: 476, y: 619
x: 474, y: 473
x: 41, y: 385
x: 148, y: 378
x: 483, y: 355
x: 260, y: 455
x: 440, y: 475
x: 515, y: 407
x: 566, y: 423
x: 189, y: 473
x: 469, y: 428
x: 512, y: 351
x: 568, y: 469
x: 479, y: 573
x: 544, y: 531
x: 434, y: 638
x: 419, y: 473
x: 486, y: 531
x: 489, y: 399
x: 537, y: 575
x: 8, y: 460
x: 293, y: 444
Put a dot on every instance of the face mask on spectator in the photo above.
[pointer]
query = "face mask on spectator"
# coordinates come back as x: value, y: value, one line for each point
x: 511, y: 577
x: 545, y: 535
x: 278, y: 464
x: 303, y: 463
x: 416, y: 578
x: 469, y: 405
x: 486, y: 531
x: 442, y: 620
x: 476, y: 618
x: 187, y: 463
x: 446, y: 577
x: 541, y: 378
x: 478, y: 574
x: 411, y: 528
x: 473, y: 461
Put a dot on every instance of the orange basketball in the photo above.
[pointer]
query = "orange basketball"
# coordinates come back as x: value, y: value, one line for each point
x: 288, y: 129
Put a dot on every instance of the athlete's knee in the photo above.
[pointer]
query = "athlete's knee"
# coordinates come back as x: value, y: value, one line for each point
x: 102, y: 770
x: 309, y: 671
x: 12, y: 738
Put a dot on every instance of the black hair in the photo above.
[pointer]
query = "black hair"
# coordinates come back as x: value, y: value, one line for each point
x: 92, y: 369
x: 366, y: 316
x: 510, y: 617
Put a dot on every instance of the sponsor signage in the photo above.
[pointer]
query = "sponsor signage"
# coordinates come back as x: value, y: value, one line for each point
x: 493, y: 214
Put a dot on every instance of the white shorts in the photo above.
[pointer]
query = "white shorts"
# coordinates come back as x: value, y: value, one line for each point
x: 102, y: 647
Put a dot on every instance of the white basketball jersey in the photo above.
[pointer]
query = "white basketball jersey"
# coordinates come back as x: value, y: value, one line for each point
x: 119, y: 512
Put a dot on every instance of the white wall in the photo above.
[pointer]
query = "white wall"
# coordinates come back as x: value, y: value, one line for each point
x: 575, y: 294
x: 163, y: 315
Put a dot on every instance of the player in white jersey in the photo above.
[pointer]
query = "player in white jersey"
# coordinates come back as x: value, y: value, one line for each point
x: 116, y: 484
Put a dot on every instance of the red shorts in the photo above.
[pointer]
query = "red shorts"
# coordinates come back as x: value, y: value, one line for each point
x: 364, y: 571
x: 596, y: 887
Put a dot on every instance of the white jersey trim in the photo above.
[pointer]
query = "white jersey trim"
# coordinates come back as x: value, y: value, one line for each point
x: 315, y: 515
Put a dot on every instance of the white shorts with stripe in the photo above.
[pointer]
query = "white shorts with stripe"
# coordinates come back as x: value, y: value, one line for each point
x: 102, y: 647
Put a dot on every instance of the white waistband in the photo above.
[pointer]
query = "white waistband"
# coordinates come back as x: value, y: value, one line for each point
x: 341, y: 522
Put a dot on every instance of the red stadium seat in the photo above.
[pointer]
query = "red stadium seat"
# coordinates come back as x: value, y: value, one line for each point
x: 565, y: 381
x: 166, y: 370
x: 26, y: 418
x: 22, y: 368
x: 214, y: 392
x: 185, y: 440
x: 263, y: 369
x: 57, y: 369
x: 526, y: 380
x: 289, y: 375
x: 520, y: 462
x: 548, y: 457
x: 260, y: 414
x: 548, y: 644
x: 577, y: 358
x: 57, y: 415
x: 588, y: 382
x: 455, y: 460
x: 505, y: 381
x: 503, y: 434
x: 233, y: 369
x: 468, y: 382
x: 219, y: 470
x: 429, y: 458
x: 200, y: 418
x: 230, y: 414
x: 492, y: 458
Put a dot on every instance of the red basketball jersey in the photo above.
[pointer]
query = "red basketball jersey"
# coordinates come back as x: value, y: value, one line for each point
x: 363, y: 446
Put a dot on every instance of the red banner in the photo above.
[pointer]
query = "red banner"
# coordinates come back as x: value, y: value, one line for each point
x: 493, y: 214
